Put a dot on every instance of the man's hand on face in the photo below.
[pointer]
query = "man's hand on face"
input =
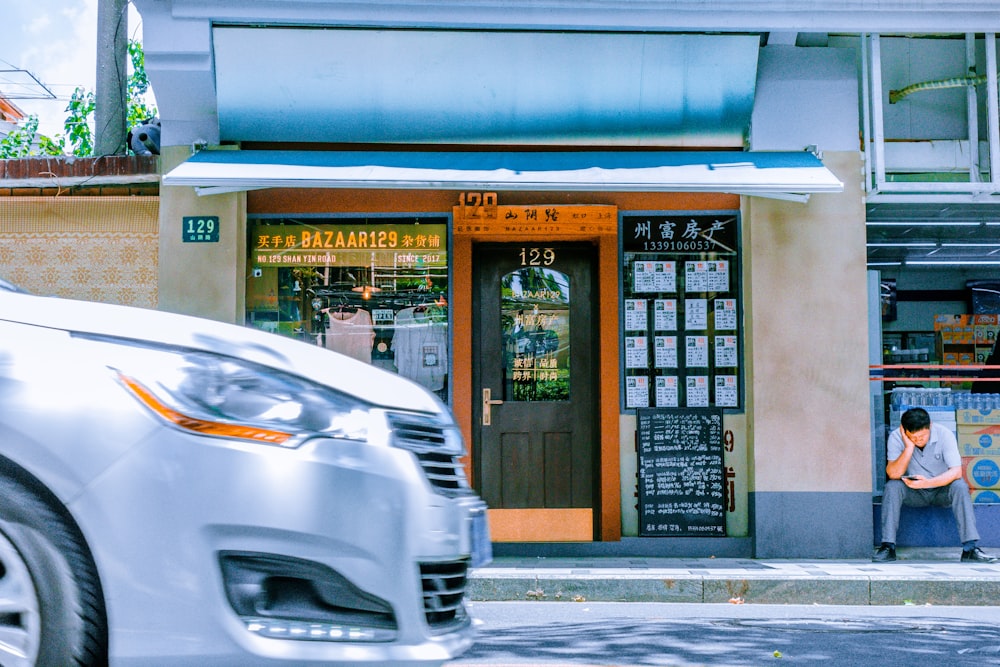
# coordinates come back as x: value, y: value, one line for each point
x: 915, y: 439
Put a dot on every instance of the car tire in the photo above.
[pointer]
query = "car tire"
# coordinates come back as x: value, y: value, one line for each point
x: 49, y: 591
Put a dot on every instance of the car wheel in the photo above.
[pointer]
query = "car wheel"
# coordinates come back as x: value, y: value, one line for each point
x: 51, y: 605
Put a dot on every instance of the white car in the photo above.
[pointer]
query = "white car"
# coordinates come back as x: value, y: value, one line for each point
x: 176, y: 491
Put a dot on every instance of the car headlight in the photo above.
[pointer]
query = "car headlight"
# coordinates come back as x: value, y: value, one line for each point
x: 228, y: 397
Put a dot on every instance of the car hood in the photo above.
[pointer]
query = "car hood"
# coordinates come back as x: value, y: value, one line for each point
x: 332, y: 369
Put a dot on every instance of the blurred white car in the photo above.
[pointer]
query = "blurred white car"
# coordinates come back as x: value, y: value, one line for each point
x: 176, y: 491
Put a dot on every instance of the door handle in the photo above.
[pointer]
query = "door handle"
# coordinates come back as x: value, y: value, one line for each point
x: 488, y: 404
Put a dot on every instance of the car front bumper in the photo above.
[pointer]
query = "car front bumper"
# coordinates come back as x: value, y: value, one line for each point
x: 343, y: 511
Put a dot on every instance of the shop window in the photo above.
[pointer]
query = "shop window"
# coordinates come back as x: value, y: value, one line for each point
x: 372, y: 288
x: 681, y: 316
x: 535, y: 317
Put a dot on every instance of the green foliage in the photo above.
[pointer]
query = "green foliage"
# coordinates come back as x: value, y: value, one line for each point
x: 25, y: 141
x: 138, y: 87
x: 80, y: 108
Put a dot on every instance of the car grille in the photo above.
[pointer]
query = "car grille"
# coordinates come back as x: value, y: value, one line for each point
x: 444, y: 588
x: 427, y: 439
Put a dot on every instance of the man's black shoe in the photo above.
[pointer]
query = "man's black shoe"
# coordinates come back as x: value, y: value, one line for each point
x: 887, y: 553
x: 977, y: 555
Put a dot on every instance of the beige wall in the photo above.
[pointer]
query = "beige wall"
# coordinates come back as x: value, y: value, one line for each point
x: 203, y: 279
x: 92, y: 248
x: 806, y: 322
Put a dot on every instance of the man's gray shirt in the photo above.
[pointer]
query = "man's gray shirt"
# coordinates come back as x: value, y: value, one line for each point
x: 939, y: 454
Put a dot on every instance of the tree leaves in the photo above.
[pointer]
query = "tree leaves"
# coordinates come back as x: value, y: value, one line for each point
x: 78, y: 140
x: 80, y: 108
x: 24, y: 141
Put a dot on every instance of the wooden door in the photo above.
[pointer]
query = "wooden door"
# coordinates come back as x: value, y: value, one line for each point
x: 534, y: 355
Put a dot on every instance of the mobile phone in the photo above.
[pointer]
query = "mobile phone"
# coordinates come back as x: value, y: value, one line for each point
x: 909, y: 476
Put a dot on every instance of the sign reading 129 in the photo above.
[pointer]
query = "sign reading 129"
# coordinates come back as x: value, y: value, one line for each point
x: 537, y: 256
x: 200, y: 228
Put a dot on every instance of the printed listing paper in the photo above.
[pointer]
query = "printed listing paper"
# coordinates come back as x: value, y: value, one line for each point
x: 725, y: 352
x: 665, y: 314
x: 726, y: 391
x: 654, y: 277
x: 636, y: 352
x: 666, y: 391
x: 697, y: 391
x: 665, y: 351
x: 636, y: 391
x: 635, y: 314
x: 696, y: 351
x: 725, y: 314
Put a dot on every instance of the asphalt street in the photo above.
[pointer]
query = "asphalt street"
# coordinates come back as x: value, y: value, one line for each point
x: 684, y: 635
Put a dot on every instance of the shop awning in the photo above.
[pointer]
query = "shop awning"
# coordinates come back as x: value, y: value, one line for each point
x: 481, y: 87
x: 782, y: 175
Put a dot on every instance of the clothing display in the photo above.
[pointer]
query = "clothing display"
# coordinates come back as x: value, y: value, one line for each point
x: 351, y: 332
x: 420, y: 347
x: 340, y: 283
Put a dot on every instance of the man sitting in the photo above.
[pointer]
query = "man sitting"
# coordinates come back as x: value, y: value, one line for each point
x: 925, y: 468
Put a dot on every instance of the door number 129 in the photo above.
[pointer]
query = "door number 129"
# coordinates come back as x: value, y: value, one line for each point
x: 537, y: 256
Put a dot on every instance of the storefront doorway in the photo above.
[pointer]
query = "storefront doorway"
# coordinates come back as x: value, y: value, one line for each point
x: 535, y: 391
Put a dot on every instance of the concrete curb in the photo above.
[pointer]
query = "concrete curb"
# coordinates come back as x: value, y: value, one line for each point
x: 830, y: 591
x: 740, y: 581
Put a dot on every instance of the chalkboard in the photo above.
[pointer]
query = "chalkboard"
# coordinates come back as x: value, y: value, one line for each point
x: 681, y: 472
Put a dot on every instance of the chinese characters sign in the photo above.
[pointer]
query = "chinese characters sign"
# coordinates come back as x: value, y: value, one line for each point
x: 680, y: 311
x: 547, y: 220
x: 681, y: 233
x: 681, y: 474
x: 346, y: 244
x: 200, y: 229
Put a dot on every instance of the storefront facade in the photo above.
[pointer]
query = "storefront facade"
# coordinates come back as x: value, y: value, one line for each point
x: 654, y: 229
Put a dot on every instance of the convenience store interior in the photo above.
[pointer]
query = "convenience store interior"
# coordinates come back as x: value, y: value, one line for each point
x: 938, y: 268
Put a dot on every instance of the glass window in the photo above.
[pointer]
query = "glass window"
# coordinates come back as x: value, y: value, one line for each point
x: 375, y: 289
x: 681, y: 316
x: 535, y: 318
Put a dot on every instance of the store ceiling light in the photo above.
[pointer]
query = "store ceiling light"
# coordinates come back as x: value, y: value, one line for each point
x: 924, y: 223
x: 928, y: 244
x: 952, y: 263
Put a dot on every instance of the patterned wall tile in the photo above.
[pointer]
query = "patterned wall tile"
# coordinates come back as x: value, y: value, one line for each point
x: 92, y: 248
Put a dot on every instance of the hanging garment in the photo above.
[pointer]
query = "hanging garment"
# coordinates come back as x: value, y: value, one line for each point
x: 420, y: 348
x: 351, y: 333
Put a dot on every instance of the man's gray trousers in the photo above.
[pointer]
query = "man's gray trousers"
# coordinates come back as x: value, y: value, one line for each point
x: 955, y: 495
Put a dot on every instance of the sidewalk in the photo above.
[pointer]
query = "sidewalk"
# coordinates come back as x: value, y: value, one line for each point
x: 919, y: 576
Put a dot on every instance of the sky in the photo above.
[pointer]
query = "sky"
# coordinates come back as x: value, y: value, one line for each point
x: 56, y: 41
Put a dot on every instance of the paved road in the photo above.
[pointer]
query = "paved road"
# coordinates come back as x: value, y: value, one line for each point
x: 683, y: 635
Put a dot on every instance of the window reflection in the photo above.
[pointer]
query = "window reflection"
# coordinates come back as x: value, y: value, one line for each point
x: 535, y: 321
x: 372, y: 290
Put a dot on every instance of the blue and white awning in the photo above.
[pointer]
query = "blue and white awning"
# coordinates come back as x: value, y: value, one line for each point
x: 782, y: 175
